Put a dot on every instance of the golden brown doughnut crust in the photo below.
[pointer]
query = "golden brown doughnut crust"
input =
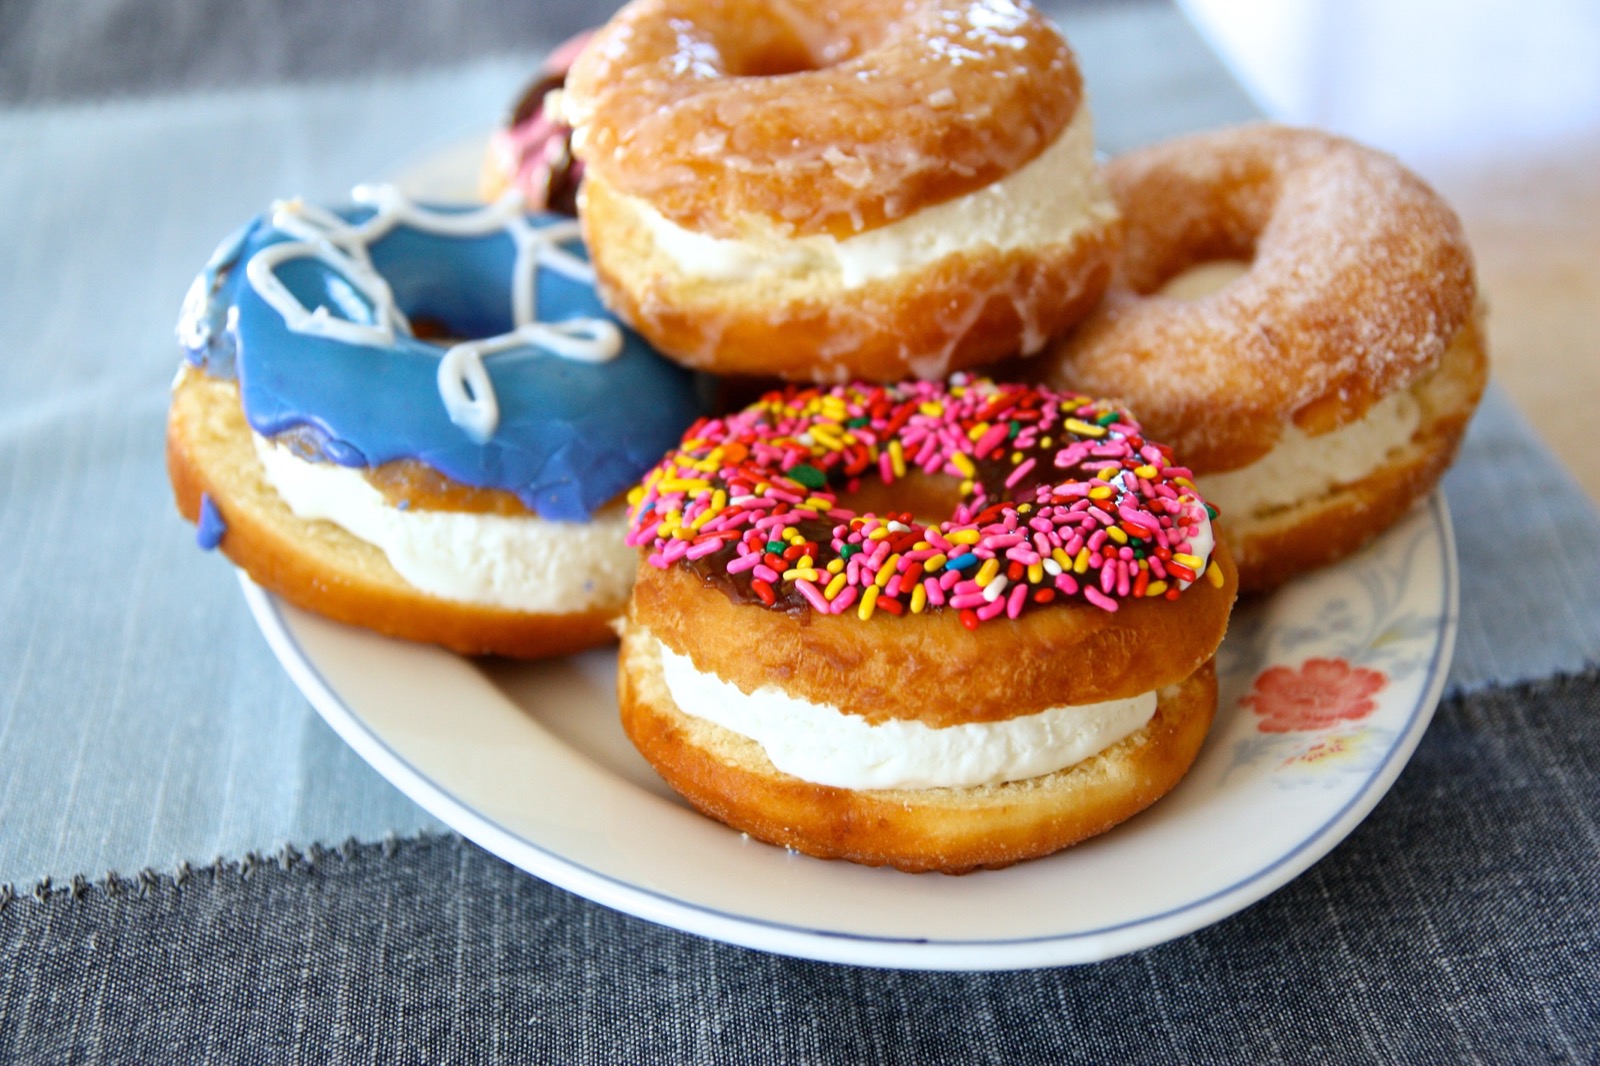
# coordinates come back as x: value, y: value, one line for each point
x: 952, y: 830
x: 320, y: 567
x: 1273, y: 547
x: 1360, y: 277
x: 823, y: 118
x: 964, y: 310
x: 885, y: 668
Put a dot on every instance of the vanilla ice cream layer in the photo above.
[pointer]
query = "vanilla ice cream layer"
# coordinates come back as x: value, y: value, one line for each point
x: 1051, y: 199
x: 824, y: 745
x: 1302, y: 467
x: 521, y: 563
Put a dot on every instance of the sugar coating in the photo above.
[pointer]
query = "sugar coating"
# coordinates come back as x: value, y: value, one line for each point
x: 1360, y: 278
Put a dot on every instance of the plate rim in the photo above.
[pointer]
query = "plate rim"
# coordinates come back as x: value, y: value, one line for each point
x: 903, y: 952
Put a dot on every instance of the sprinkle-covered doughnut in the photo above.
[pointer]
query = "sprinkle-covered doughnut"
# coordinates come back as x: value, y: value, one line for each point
x: 1061, y: 499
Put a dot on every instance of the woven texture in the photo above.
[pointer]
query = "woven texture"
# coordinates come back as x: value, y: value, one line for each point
x: 1445, y: 928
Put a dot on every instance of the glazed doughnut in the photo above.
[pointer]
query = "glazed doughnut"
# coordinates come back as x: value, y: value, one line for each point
x: 467, y: 493
x: 1324, y: 384
x: 823, y: 193
x: 943, y: 695
x: 532, y: 153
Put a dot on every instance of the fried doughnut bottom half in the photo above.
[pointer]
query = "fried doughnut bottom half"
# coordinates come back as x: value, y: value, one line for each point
x: 322, y: 568
x: 927, y: 669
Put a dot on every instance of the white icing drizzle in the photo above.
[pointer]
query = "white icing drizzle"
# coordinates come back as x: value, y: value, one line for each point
x: 464, y: 384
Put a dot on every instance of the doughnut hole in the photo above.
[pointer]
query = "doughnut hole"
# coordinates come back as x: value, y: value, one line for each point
x: 929, y: 498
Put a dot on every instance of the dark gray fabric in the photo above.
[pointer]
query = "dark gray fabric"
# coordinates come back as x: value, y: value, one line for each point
x: 1460, y: 922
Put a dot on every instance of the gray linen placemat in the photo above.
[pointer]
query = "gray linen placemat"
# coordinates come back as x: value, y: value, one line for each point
x: 1459, y: 923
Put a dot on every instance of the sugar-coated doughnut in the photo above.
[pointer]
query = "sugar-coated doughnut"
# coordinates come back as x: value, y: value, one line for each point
x: 864, y: 189
x: 1323, y: 385
x: 532, y: 153
x: 465, y: 492
x: 932, y: 695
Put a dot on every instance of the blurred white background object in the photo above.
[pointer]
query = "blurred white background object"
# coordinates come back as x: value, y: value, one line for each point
x: 1497, y: 104
x: 1431, y: 80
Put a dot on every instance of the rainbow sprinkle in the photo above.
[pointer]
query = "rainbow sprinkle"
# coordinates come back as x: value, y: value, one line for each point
x: 1062, y: 499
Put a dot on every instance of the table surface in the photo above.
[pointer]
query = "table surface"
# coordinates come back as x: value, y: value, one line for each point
x: 143, y: 723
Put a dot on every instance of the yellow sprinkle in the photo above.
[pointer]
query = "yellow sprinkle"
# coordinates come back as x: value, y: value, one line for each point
x: 960, y: 461
x: 804, y: 563
x: 1035, y: 573
x: 1214, y: 575
x: 1155, y: 588
x: 964, y: 536
x: 1146, y: 471
x: 819, y: 503
x: 1106, y: 473
x: 934, y: 563
x: 921, y: 546
x: 919, y: 598
x: 1183, y: 481
x: 965, y: 488
x: 1084, y: 429
x: 1100, y: 492
x: 1191, y: 561
x: 802, y: 573
x: 1047, y: 442
x: 1080, y: 565
x: 684, y: 484
x: 635, y: 495
x: 835, y: 565
x: 1016, y: 457
x: 869, y: 602
x: 897, y: 458
x: 879, y: 533
x: 1116, y: 534
x: 931, y: 409
x: 977, y: 431
x: 987, y: 572
x: 835, y: 585
x: 792, y: 535
x: 886, y: 571
x: 1062, y: 559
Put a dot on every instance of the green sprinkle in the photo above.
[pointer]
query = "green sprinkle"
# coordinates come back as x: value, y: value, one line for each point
x: 808, y: 475
x: 776, y: 546
x: 847, y: 550
x: 1106, y: 419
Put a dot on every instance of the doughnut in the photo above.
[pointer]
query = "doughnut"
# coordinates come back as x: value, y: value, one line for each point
x: 465, y: 491
x: 1296, y: 314
x: 859, y: 190
x: 532, y: 153
x: 856, y: 682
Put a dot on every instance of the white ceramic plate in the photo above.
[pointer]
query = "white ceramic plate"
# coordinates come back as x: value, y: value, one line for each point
x: 1326, y: 687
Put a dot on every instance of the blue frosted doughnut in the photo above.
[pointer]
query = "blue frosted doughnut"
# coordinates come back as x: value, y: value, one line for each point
x: 549, y: 397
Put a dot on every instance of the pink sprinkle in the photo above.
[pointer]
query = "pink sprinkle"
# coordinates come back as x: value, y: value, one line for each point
x: 813, y: 596
x: 968, y: 599
x: 1020, y: 472
x: 1105, y: 603
x: 1066, y: 584
x: 991, y: 440
x: 744, y: 562
x: 1019, y: 596
x: 935, y: 591
x: 991, y: 610
x: 703, y: 548
x: 766, y: 573
x: 675, y: 550
x: 846, y: 597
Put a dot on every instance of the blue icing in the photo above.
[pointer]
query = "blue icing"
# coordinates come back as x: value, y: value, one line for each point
x: 571, y: 435
x: 209, y: 530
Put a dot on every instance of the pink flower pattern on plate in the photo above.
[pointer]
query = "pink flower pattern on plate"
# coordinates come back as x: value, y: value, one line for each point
x: 1320, y: 694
